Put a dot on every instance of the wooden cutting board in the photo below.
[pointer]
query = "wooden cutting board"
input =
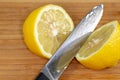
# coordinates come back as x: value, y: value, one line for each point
x: 18, y: 63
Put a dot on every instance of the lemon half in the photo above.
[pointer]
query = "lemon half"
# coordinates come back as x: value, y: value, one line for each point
x: 102, y: 48
x: 46, y: 28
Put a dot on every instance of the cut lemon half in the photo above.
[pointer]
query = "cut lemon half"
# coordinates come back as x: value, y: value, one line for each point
x: 46, y: 28
x: 102, y: 48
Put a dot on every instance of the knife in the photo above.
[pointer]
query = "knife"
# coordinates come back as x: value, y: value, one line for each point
x: 67, y: 51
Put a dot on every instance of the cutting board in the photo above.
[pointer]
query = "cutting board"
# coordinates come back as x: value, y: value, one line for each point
x: 18, y: 63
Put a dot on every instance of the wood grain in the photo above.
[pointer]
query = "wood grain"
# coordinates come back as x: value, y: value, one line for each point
x: 18, y: 63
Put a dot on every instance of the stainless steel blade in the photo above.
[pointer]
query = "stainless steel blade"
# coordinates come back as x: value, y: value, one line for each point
x: 63, y: 56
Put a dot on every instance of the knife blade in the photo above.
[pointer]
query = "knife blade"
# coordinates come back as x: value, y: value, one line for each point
x: 63, y: 56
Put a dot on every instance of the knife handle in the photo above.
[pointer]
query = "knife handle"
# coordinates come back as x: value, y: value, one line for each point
x: 41, y: 76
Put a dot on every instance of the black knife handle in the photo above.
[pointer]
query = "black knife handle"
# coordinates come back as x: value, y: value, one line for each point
x: 41, y: 76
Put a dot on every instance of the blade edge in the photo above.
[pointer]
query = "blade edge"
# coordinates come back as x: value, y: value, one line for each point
x: 55, y: 75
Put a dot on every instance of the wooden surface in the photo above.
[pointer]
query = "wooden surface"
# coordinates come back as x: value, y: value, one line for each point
x: 18, y: 63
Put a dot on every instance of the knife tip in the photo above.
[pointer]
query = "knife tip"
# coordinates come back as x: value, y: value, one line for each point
x: 101, y: 5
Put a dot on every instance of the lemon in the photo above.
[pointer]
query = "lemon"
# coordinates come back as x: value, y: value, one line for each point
x: 102, y: 48
x: 46, y: 28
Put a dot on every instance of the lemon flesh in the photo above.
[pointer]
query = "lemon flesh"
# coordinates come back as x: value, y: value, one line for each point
x: 46, y: 28
x: 102, y: 48
x: 53, y: 28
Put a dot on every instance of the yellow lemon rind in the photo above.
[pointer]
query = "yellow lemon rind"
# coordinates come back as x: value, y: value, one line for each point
x: 96, y: 60
x: 30, y: 29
